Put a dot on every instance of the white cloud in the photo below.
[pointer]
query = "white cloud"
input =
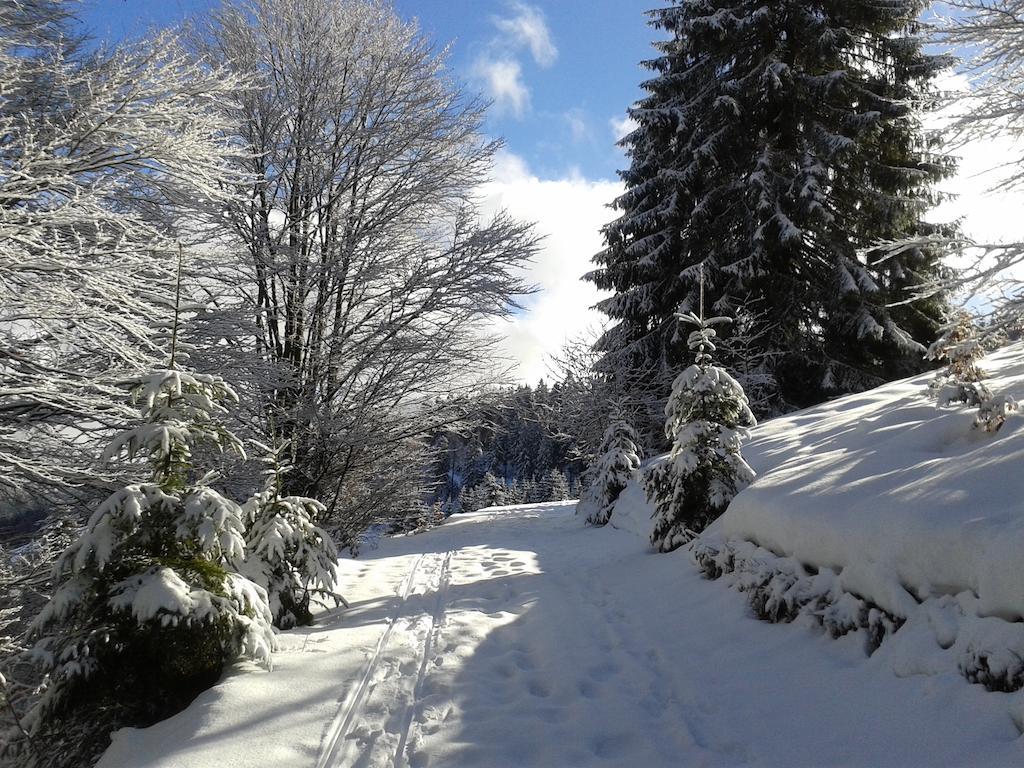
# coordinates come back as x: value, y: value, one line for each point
x: 577, y: 123
x: 622, y: 126
x: 528, y: 29
x: 569, y: 212
x: 503, y: 83
x: 988, y: 213
x: 499, y: 69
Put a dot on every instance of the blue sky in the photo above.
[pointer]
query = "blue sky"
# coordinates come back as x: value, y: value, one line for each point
x: 561, y: 74
x: 559, y: 71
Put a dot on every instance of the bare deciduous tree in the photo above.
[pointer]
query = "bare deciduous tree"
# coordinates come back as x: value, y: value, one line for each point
x: 990, y: 37
x: 363, y: 257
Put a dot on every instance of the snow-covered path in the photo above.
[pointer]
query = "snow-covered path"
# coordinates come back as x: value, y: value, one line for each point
x: 517, y: 637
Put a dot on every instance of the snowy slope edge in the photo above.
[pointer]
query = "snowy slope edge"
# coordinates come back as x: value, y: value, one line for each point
x: 877, y: 509
x: 904, y: 501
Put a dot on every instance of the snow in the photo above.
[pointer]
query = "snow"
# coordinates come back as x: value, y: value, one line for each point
x: 905, y: 500
x: 518, y: 636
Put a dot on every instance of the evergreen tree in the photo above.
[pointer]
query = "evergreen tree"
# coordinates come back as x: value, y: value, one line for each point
x: 961, y: 345
x: 492, y: 492
x: 287, y: 554
x: 149, y: 603
x: 707, y: 415
x: 469, y: 499
x: 514, y: 493
x: 554, y: 486
x: 777, y: 143
x: 617, y: 462
x: 532, y: 492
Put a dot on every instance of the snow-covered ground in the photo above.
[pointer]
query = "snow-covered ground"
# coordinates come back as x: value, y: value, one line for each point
x: 907, y: 501
x: 519, y: 637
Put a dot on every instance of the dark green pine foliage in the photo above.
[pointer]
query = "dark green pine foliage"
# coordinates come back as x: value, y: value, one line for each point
x: 777, y: 142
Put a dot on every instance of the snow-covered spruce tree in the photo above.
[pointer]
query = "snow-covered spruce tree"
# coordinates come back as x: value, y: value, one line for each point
x: 617, y: 462
x: 149, y: 605
x: 706, y: 420
x: 776, y: 144
x: 287, y: 554
x: 492, y: 491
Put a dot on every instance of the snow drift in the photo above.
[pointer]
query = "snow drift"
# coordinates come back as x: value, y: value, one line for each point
x: 905, y: 500
x: 886, y: 498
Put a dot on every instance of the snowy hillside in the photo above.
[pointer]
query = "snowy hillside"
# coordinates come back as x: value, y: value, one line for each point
x: 897, y: 494
x: 881, y: 500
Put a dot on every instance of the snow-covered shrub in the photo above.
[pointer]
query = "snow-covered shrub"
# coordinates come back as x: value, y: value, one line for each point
x: 617, y: 461
x: 148, y: 604
x: 707, y: 419
x: 962, y: 345
x: 287, y: 554
x: 780, y: 589
x: 993, y: 411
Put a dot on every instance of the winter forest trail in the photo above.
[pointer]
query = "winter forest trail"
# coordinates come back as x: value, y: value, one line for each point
x: 518, y: 637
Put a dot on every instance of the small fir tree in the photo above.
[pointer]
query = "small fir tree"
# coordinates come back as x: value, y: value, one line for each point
x: 554, y: 486
x: 492, y: 492
x: 149, y: 604
x: 961, y: 345
x: 616, y: 464
x: 532, y: 492
x: 514, y: 493
x: 287, y: 554
x: 470, y: 499
x: 707, y: 416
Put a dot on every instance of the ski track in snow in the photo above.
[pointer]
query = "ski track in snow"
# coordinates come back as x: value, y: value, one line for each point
x: 436, y: 623
x: 343, y: 721
x: 353, y: 737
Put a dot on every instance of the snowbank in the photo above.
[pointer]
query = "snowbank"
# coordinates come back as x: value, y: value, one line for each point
x: 881, y: 512
x: 904, y: 501
x: 632, y: 512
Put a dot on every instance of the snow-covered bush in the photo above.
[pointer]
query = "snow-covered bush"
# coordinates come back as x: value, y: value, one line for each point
x: 617, y: 461
x: 962, y: 345
x: 149, y: 604
x: 781, y: 589
x: 287, y: 554
x: 707, y: 416
x: 993, y: 411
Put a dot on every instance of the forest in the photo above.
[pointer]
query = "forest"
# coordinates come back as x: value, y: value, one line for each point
x: 248, y: 293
